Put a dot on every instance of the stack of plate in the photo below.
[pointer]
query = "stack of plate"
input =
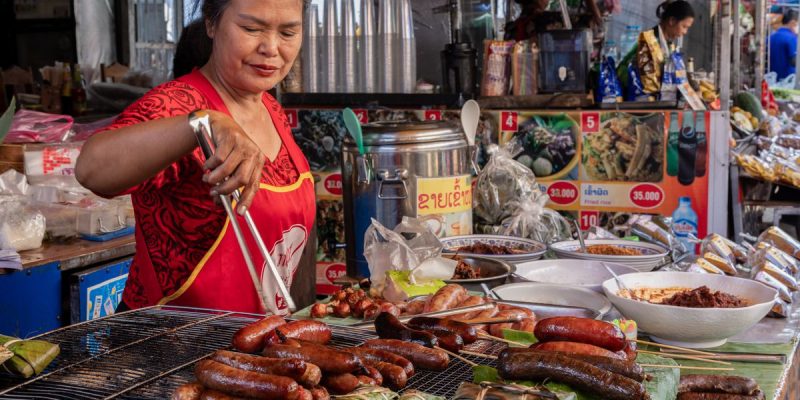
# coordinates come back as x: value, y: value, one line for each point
x: 525, y: 249
x: 651, y: 255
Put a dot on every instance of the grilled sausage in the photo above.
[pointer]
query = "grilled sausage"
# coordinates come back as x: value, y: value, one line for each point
x: 630, y: 350
x: 319, y: 393
x: 307, y: 331
x: 394, y: 377
x: 210, y: 394
x: 341, y: 383
x: 330, y: 361
x: 387, y: 326
x: 577, y: 348
x: 420, y: 356
x: 497, y: 329
x: 446, y: 298
x: 292, y: 368
x: 468, y: 301
x: 625, y: 368
x: 450, y: 341
x: 305, y: 394
x: 581, y: 375
x: 582, y: 330
x: 439, y: 325
x: 415, y: 307
x: 718, y: 384
x: 364, y: 380
x: 187, y: 391
x: 250, y: 338
x: 372, y: 356
x: 373, y: 373
x: 759, y: 395
x: 237, y: 382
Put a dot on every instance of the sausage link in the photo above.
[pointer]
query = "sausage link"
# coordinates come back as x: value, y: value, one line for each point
x: 446, y: 298
x: 292, y: 368
x: 450, y: 341
x: 583, y: 330
x: 307, y: 331
x: 341, y: 383
x: 394, y: 377
x: 250, y: 338
x: 415, y: 307
x: 237, y: 382
x: 581, y: 375
x: 577, y: 348
x: 210, y: 394
x: 187, y: 391
x: 625, y: 368
x: 387, y: 326
x: 372, y: 355
x: 330, y: 361
x: 759, y: 395
x: 319, y: 393
x: 718, y: 384
x: 496, y: 330
x: 468, y: 301
x: 420, y: 356
x: 373, y: 373
x: 439, y: 325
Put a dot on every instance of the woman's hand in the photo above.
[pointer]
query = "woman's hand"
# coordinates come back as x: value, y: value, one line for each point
x: 237, y: 161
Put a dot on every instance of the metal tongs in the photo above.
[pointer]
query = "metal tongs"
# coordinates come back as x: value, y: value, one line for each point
x: 205, y: 138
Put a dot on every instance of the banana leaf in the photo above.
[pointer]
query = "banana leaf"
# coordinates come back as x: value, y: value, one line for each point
x: 369, y: 393
x: 417, y: 395
x: 28, y: 357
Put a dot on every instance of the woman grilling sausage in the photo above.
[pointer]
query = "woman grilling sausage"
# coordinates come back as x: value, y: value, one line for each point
x: 186, y: 252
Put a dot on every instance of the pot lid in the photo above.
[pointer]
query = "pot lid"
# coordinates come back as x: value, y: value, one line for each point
x: 404, y: 132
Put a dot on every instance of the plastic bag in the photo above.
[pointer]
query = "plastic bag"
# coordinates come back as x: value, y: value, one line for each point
x: 387, y: 250
x: 534, y: 221
x: 502, y: 185
x: 23, y: 228
x: 33, y: 126
x: 609, y: 87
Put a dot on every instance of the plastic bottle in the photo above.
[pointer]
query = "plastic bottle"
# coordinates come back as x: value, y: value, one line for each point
x: 684, y: 223
x: 672, y: 145
x: 629, y: 38
x: 610, y: 50
x: 669, y: 87
x: 687, y: 151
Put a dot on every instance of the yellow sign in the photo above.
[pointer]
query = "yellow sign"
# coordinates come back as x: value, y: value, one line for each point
x: 436, y: 196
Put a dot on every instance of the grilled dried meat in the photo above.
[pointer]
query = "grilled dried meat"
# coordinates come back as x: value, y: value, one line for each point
x: 490, y: 249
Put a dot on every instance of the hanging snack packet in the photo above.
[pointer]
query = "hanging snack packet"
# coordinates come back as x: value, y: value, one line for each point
x: 496, y: 67
x: 650, y: 60
x: 714, y: 243
x: 635, y: 89
x: 608, y: 88
x: 780, y: 239
x: 780, y: 257
x: 723, y: 264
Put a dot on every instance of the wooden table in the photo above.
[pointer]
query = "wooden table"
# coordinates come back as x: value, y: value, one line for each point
x: 78, y: 253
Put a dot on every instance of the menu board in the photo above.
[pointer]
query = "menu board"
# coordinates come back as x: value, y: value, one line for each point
x: 599, y: 165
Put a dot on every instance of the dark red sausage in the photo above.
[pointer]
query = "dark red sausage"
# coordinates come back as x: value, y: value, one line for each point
x: 630, y: 350
x: 372, y: 355
x: 188, y: 391
x: 625, y: 368
x: 387, y: 326
x: 718, y: 384
x: 437, y: 325
x: 237, y: 382
x: 577, y: 348
x: 250, y: 338
x: 209, y: 394
x: 292, y: 368
x: 538, y: 366
x: 330, y: 361
x: 341, y: 384
x: 364, y: 380
x: 373, y: 373
x: 719, y: 396
x: 581, y: 330
x: 420, y: 356
x: 307, y: 331
x: 394, y: 377
x: 450, y: 341
x: 319, y: 393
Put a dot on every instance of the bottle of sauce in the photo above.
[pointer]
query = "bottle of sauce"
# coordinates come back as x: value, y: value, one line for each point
x: 79, y: 105
x: 66, y: 91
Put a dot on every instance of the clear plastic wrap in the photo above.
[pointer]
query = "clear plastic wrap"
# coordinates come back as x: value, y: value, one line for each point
x: 533, y: 220
x: 387, y: 250
x: 22, y: 227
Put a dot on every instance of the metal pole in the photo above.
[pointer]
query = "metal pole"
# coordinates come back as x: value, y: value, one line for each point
x: 737, y: 47
x: 725, y: 54
x: 759, y: 64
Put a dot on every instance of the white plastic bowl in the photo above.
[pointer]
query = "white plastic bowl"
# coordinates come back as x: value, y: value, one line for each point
x: 586, y: 274
x: 652, y: 257
x: 692, y: 327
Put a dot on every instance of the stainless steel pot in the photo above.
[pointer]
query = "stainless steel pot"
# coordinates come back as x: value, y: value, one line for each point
x: 410, y: 169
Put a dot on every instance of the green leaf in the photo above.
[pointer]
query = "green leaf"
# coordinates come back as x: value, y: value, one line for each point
x: 526, y: 338
x: 664, y: 385
x: 6, y: 119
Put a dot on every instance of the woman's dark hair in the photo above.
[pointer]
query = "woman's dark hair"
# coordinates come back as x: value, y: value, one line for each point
x: 194, y: 46
x: 677, y: 9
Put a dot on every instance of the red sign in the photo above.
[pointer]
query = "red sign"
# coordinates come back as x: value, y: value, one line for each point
x: 589, y: 219
x: 563, y: 192
x: 333, y: 184
x: 646, y: 195
x: 590, y: 122
x: 362, y: 114
x: 291, y: 116
x: 508, y: 121
x: 334, y: 272
x: 433, y: 115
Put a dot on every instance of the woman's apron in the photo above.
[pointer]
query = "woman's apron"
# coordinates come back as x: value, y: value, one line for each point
x: 283, y: 216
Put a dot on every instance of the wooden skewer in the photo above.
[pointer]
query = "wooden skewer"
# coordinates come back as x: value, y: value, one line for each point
x: 666, y: 346
x: 687, y: 367
x: 470, y: 363
x: 475, y: 353
x: 682, y: 356
x: 497, y: 339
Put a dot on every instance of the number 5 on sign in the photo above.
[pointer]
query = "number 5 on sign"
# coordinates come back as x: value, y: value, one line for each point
x: 590, y: 122
x: 589, y: 219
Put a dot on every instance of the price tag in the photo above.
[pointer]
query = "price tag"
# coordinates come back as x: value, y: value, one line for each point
x: 433, y: 115
x: 291, y: 117
x: 508, y: 121
x: 562, y: 192
x: 589, y: 219
x: 362, y: 114
x: 646, y: 195
x: 590, y: 122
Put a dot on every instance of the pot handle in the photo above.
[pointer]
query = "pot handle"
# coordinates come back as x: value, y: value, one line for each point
x: 397, y: 179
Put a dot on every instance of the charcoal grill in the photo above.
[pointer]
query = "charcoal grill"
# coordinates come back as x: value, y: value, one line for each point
x: 147, y: 353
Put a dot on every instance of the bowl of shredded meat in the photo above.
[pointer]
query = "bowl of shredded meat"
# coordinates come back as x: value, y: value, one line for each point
x: 689, y: 309
x: 505, y: 248
x: 472, y: 271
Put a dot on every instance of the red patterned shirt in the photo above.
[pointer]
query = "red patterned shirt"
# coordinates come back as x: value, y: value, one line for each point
x: 176, y: 219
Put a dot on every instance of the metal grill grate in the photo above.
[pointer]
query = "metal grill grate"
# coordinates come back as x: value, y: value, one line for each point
x: 147, y: 353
